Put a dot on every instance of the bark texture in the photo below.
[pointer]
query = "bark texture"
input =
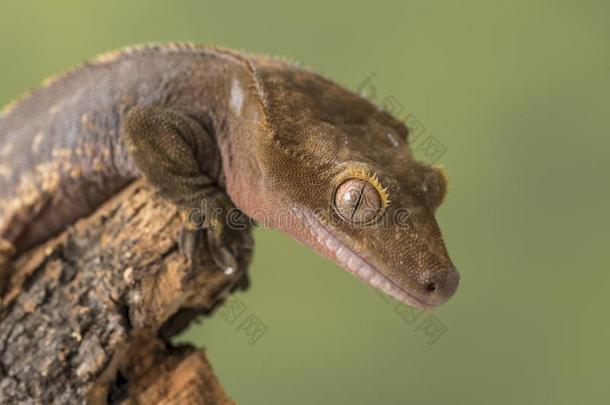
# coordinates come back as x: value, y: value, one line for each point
x: 88, y: 315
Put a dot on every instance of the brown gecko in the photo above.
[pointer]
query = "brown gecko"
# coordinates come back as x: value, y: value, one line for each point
x: 215, y: 129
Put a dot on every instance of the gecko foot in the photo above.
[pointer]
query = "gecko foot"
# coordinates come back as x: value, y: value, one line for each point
x: 192, y: 241
x: 224, y: 246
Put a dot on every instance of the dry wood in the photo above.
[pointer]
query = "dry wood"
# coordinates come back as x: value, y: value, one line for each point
x: 88, y: 315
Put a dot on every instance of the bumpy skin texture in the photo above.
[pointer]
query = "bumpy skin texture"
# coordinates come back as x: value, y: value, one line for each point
x: 218, y: 129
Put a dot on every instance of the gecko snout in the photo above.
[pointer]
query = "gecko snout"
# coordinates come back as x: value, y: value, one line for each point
x: 439, y: 286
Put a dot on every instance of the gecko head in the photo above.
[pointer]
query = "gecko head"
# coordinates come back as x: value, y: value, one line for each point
x: 337, y: 174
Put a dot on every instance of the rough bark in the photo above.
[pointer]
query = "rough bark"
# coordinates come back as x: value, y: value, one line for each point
x: 88, y: 315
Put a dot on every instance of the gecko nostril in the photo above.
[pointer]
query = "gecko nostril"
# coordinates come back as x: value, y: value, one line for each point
x: 439, y: 285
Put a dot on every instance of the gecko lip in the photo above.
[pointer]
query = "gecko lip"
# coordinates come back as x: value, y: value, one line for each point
x: 355, y: 264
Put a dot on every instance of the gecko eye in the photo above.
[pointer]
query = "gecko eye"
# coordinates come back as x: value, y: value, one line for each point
x: 357, y: 200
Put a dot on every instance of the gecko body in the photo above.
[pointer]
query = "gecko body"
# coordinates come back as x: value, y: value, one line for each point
x: 216, y: 130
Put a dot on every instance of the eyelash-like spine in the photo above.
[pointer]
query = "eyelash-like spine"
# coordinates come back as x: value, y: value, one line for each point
x: 374, y: 180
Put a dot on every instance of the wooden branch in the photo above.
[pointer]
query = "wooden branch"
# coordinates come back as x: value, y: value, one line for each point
x: 88, y: 315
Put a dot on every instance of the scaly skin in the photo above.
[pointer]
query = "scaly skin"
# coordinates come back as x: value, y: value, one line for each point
x: 219, y: 129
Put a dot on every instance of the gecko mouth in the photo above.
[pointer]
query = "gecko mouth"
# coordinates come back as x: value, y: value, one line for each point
x: 354, y: 263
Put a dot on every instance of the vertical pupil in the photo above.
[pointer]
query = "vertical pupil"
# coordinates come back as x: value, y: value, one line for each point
x: 352, y: 197
x: 357, y: 200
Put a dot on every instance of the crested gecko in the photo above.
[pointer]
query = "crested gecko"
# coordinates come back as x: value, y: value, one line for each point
x: 216, y: 130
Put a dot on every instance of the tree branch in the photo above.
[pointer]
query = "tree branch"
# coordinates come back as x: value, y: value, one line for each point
x: 89, y: 314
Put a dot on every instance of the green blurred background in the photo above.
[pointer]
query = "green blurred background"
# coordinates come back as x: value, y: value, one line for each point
x: 517, y: 93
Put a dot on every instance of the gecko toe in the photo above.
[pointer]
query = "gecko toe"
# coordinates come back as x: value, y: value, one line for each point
x: 188, y: 241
